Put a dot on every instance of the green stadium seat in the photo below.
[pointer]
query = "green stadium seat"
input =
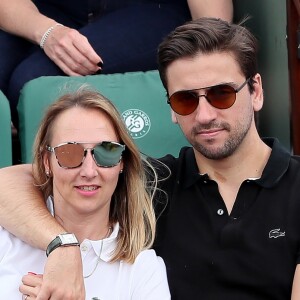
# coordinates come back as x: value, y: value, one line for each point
x: 139, y: 97
x: 5, y: 133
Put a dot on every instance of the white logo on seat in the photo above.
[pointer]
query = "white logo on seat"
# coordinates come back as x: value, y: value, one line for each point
x: 137, y: 122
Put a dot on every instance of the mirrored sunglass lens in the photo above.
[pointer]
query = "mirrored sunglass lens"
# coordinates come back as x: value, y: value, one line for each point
x: 69, y: 155
x: 184, y: 102
x: 221, y: 96
x: 108, y: 154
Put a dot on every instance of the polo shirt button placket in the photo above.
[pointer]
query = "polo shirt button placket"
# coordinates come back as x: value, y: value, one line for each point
x: 84, y: 247
x: 220, y: 212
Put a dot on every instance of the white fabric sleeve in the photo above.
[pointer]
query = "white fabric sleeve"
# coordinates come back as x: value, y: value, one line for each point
x: 150, y: 277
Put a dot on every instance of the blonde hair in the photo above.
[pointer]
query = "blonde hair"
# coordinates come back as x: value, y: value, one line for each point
x: 131, y: 203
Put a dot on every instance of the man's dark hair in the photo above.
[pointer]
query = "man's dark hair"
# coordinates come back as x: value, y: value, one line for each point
x: 209, y: 35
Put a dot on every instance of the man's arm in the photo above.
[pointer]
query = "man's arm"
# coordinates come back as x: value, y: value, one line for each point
x: 296, y: 285
x: 23, y: 212
x: 22, y: 208
x: 222, y: 9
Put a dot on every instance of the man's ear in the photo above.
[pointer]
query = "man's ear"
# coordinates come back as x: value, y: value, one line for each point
x: 174, y: 117
x: 258, y: 93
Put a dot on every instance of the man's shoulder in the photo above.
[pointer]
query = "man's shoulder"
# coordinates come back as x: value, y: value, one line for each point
x: 171, y: 160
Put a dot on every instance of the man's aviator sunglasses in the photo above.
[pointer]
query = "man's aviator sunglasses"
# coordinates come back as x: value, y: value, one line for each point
x: 220, y: 96
x: 72, y: 154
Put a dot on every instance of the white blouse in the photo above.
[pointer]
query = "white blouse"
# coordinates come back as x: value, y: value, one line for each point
x: 145, y: 279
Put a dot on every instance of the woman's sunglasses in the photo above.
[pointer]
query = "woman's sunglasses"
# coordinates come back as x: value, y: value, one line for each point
x: 220, y: 96
x: 71, y: 155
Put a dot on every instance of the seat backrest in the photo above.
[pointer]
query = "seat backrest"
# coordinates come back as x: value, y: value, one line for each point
x: 139, y: 97
x: 5, y: 133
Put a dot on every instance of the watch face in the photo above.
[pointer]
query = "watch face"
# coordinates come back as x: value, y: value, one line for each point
x: 68, y: 238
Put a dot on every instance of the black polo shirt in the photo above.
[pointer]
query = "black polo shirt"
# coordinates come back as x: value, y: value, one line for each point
x: 251, y: 253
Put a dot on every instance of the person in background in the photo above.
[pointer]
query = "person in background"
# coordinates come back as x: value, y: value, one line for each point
x: 92, y: 178
x: 53, y: 37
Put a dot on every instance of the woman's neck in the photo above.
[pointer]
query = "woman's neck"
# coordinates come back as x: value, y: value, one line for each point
x: 92, y: 227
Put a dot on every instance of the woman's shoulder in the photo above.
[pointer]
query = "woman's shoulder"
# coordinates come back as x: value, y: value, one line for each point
x: 148, y: 255
x: 6, y: 238
x: 12, y: 245
x: 9, y: 244
x: 149, y: 262
x: 149, y: 277
x: 146, y: 262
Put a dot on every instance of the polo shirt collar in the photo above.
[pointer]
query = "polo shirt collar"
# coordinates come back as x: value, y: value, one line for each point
x: 109, y: 245
x: 277, y: 164
x: 191, y: 175
x: 275, y: 168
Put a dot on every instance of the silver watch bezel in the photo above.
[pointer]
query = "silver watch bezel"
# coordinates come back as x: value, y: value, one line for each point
x: 68, y: 239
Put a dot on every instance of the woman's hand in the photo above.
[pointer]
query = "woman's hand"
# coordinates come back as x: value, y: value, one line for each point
x: 62, y: 278
x: 71, y: 52
x: 31, y: 285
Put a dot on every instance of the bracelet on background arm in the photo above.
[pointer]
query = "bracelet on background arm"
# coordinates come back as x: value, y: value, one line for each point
x: 47, y: 33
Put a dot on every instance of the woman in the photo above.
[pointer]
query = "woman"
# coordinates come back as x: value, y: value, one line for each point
x: 90, y: 171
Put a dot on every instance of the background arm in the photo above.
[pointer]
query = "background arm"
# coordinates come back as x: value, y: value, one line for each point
x: 211, y: 8
x: 66, y: 47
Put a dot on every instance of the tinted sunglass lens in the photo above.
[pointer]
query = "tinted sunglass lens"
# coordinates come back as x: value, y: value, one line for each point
x: 221, y: 96
x: 69, y: 155
x: 108, y: 154
x: 184, y: 102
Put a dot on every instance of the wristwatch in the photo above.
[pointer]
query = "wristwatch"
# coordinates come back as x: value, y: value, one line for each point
x: 64, y: 239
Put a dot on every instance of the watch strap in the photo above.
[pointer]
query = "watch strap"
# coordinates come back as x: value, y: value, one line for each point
x: 65, y: 239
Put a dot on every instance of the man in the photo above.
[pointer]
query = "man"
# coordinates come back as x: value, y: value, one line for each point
x: 231, y: 228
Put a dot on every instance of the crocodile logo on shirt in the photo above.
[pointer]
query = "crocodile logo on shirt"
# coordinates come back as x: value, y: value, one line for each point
x: 275, y: 233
